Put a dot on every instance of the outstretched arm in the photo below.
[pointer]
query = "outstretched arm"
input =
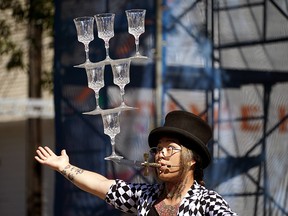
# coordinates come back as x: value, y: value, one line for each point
x: 88, y: 181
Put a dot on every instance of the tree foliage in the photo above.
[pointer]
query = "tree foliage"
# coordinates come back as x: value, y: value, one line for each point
x: 39, y: 13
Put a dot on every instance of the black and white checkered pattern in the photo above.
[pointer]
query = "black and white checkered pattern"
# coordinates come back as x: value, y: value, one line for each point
x: 138, y: 198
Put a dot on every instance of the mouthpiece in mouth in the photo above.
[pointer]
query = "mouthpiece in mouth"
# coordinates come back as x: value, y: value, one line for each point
x: 157, y: 165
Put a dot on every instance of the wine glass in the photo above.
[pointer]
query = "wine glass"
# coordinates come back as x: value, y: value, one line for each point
x: 136, y: 26
x: 84, y: 27
x: 95, y: 77
x: 121, y: 77
x: 105, y: 27
x: 111, y: 123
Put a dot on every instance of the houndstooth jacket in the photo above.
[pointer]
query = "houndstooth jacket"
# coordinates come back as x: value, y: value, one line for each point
x: 138, y: 198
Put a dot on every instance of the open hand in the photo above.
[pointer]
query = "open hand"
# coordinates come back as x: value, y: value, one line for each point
x: 47, y: 157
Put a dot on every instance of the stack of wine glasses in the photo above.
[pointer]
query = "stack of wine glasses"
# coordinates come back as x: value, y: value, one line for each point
x: 120, y: 67
x: 105, y: 29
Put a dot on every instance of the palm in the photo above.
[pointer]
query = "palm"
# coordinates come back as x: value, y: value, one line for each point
x: 48, y: 157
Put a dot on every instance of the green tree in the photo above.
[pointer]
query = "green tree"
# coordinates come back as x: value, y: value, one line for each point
x: 35, y: 14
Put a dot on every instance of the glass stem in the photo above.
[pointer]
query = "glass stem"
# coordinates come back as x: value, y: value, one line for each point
x: 97, y: 100
x: 122, y: 92
x: 87, y: 52
x: 113, y: 144
x: 107, y: 49
x: 137, y: 45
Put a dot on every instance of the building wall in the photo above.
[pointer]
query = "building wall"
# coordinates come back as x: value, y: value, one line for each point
x: 13, y: 142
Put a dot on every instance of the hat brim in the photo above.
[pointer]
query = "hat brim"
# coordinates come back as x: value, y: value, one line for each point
x: 187, y: 140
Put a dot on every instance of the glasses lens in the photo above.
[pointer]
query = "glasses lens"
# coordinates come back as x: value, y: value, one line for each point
x: 169, y: 151
x: 153, y: 150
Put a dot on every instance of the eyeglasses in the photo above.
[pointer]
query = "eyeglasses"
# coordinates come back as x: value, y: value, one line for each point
x: 170, y: 150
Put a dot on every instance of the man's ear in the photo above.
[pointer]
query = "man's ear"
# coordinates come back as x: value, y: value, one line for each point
x: 191, y: 163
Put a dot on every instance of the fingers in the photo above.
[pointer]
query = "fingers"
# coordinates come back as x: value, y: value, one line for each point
x: 39, y: 159
x: 43, y: 153
x: 49, y: 151
x: 63, y: 152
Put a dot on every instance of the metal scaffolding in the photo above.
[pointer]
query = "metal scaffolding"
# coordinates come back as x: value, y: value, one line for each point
x: 220, y: 26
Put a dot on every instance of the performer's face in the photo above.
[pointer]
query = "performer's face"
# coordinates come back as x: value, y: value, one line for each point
x: 168, y: 155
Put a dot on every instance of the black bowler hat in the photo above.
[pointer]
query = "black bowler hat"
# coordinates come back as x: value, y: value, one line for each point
x: 193, y: 133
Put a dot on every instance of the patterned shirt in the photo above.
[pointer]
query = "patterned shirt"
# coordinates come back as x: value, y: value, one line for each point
x: 139, y: 198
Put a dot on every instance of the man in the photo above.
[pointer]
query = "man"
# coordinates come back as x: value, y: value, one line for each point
x: 180, y: 149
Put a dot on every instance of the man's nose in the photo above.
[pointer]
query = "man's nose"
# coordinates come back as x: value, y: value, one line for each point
x: 163, y: 152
